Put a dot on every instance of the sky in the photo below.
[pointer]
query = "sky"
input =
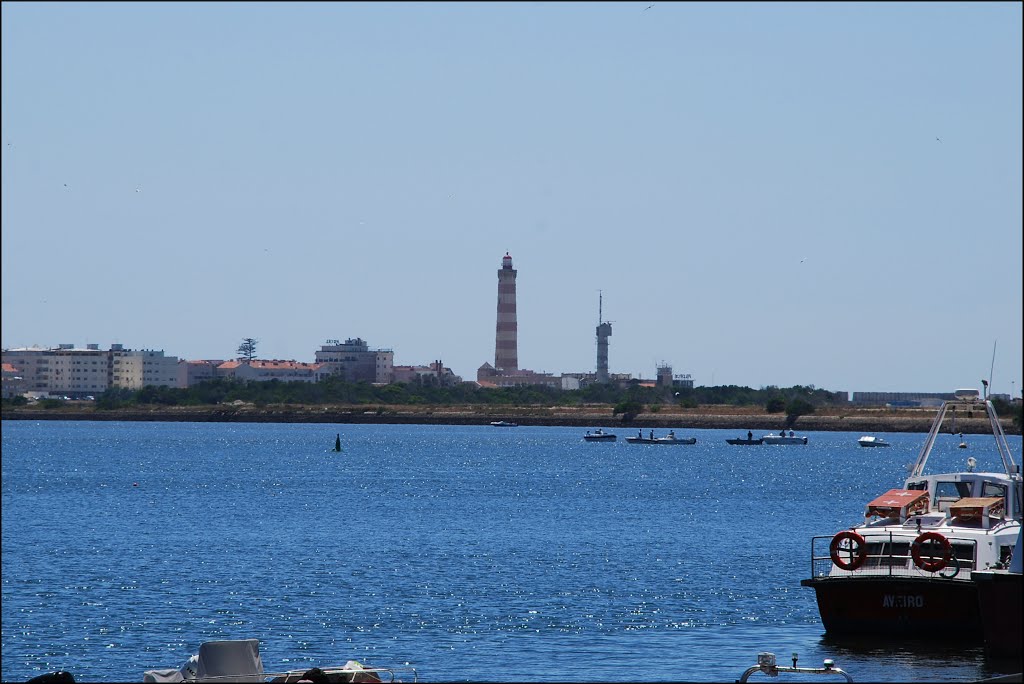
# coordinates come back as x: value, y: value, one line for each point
x: 764, y: 193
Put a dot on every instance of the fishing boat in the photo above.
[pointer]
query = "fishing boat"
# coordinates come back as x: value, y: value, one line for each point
x: 503, y: 423
x: 782, y: 438
x: 869, y: 441
x: 749, y: 440
x: 908, y: 568
x: 670, y: 439
x: 239, y: 661
x: 599, y: 435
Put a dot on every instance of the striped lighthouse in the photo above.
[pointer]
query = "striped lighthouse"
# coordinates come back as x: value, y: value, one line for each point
x: 506, y: 357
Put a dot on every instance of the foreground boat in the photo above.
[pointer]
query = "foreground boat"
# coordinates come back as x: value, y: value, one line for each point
x: 907, y: 570
x: 869, y: 441
x: 599, y: 435
x: 766, y: 665
x: 240, y: 661
x: 670, y: 439
x: 771, y: 438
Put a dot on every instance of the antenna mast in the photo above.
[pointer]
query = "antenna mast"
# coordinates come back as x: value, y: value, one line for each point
x: 990, y: 368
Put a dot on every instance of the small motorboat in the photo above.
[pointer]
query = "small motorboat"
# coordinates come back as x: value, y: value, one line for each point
x: 503, y: 423
x: 783, y: 439
x: 670, y: 439
x: 599, y: 435
x: 869, y: 441
x: 749, y: 441
x: 240, y: 661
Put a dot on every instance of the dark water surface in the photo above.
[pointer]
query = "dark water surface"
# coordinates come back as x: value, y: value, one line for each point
x: 467, y: 552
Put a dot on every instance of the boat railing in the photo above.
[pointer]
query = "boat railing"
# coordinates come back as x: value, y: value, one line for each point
x: 892, y: 557
x: 766, y: 665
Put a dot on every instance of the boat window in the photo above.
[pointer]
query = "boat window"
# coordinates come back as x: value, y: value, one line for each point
x: 993, y: 489
x: 922, y: 485
x: 952, y: 490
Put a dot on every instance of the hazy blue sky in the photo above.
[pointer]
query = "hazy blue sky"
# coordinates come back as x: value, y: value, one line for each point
x: 767, y: 194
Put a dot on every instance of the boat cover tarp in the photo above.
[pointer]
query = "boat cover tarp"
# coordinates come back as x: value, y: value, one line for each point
x: 898, y: 503
x: 970, y: 508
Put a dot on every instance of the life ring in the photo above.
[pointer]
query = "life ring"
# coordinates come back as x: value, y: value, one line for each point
x: 933, y: 563
x: 857, y: 548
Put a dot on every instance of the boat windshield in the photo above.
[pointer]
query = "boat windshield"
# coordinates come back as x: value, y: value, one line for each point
x: 953, y: 490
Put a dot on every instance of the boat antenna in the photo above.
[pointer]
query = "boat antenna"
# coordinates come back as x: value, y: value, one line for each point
x: 990, y: 369
x: 600, y: 303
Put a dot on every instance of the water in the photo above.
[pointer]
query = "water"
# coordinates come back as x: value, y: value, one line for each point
x: 468, y: 552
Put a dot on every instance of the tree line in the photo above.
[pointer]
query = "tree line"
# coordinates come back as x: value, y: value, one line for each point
x: 628, y: 399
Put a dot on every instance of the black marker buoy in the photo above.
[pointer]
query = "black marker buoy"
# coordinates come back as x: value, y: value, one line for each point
x: 337, y: 442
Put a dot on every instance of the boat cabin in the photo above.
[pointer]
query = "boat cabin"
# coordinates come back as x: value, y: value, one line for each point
x: 967, y: 498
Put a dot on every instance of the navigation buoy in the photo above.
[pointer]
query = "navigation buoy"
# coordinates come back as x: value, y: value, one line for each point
x: 337, y: 442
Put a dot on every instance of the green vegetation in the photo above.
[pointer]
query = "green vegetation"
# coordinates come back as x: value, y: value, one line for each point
x: 628, y: 401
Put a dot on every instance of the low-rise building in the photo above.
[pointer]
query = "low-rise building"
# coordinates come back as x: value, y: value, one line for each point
x: 191, y: 373
x: 13, y: 382
x: 435, y: 373
x: 262, y: 370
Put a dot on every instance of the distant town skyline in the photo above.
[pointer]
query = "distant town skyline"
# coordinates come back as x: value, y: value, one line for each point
x: 765, y: 193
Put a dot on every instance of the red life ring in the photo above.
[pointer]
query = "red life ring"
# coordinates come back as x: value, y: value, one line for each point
x: 857, y: 548
x: 933, y: 563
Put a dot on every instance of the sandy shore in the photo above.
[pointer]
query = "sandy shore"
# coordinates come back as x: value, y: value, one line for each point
x: 867, y: 420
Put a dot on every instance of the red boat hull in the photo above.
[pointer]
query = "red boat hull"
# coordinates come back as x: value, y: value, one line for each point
x: 896, y: 606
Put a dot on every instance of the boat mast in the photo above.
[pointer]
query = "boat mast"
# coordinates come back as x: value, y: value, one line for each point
x: 1009, y: 465
x: 1001, y: 445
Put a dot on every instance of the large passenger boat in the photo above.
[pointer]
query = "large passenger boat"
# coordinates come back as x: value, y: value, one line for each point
x: 906, y: 570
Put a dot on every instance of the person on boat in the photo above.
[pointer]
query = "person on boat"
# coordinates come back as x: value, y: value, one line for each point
x: 750, y: 436
x: 640, y: 434
x: 790, y: 433
x: 671, y: 434
x: 652, y: 434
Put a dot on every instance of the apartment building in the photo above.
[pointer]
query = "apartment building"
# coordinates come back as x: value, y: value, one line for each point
x: 77, y: 372
x: 355, y: 361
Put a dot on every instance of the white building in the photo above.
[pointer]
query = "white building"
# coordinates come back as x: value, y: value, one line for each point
x: 77, y: 372
x: 135, y: 369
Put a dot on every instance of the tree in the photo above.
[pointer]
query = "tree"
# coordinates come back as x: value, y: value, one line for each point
x: 247, y: 350
x: 796, y: 408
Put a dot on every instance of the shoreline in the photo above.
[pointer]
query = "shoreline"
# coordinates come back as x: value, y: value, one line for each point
x: 709, y: 417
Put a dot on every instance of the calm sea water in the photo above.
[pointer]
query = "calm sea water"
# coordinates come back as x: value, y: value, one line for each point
x: 469, y: 553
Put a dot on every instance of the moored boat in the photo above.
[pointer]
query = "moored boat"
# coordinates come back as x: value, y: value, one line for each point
x: 670, y: 439
x: 749, y: 441
x: 599, y: 435
x: 503, y: 423
x: 782, y: 438
x: 869, y: 441
x: 907, y: 569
